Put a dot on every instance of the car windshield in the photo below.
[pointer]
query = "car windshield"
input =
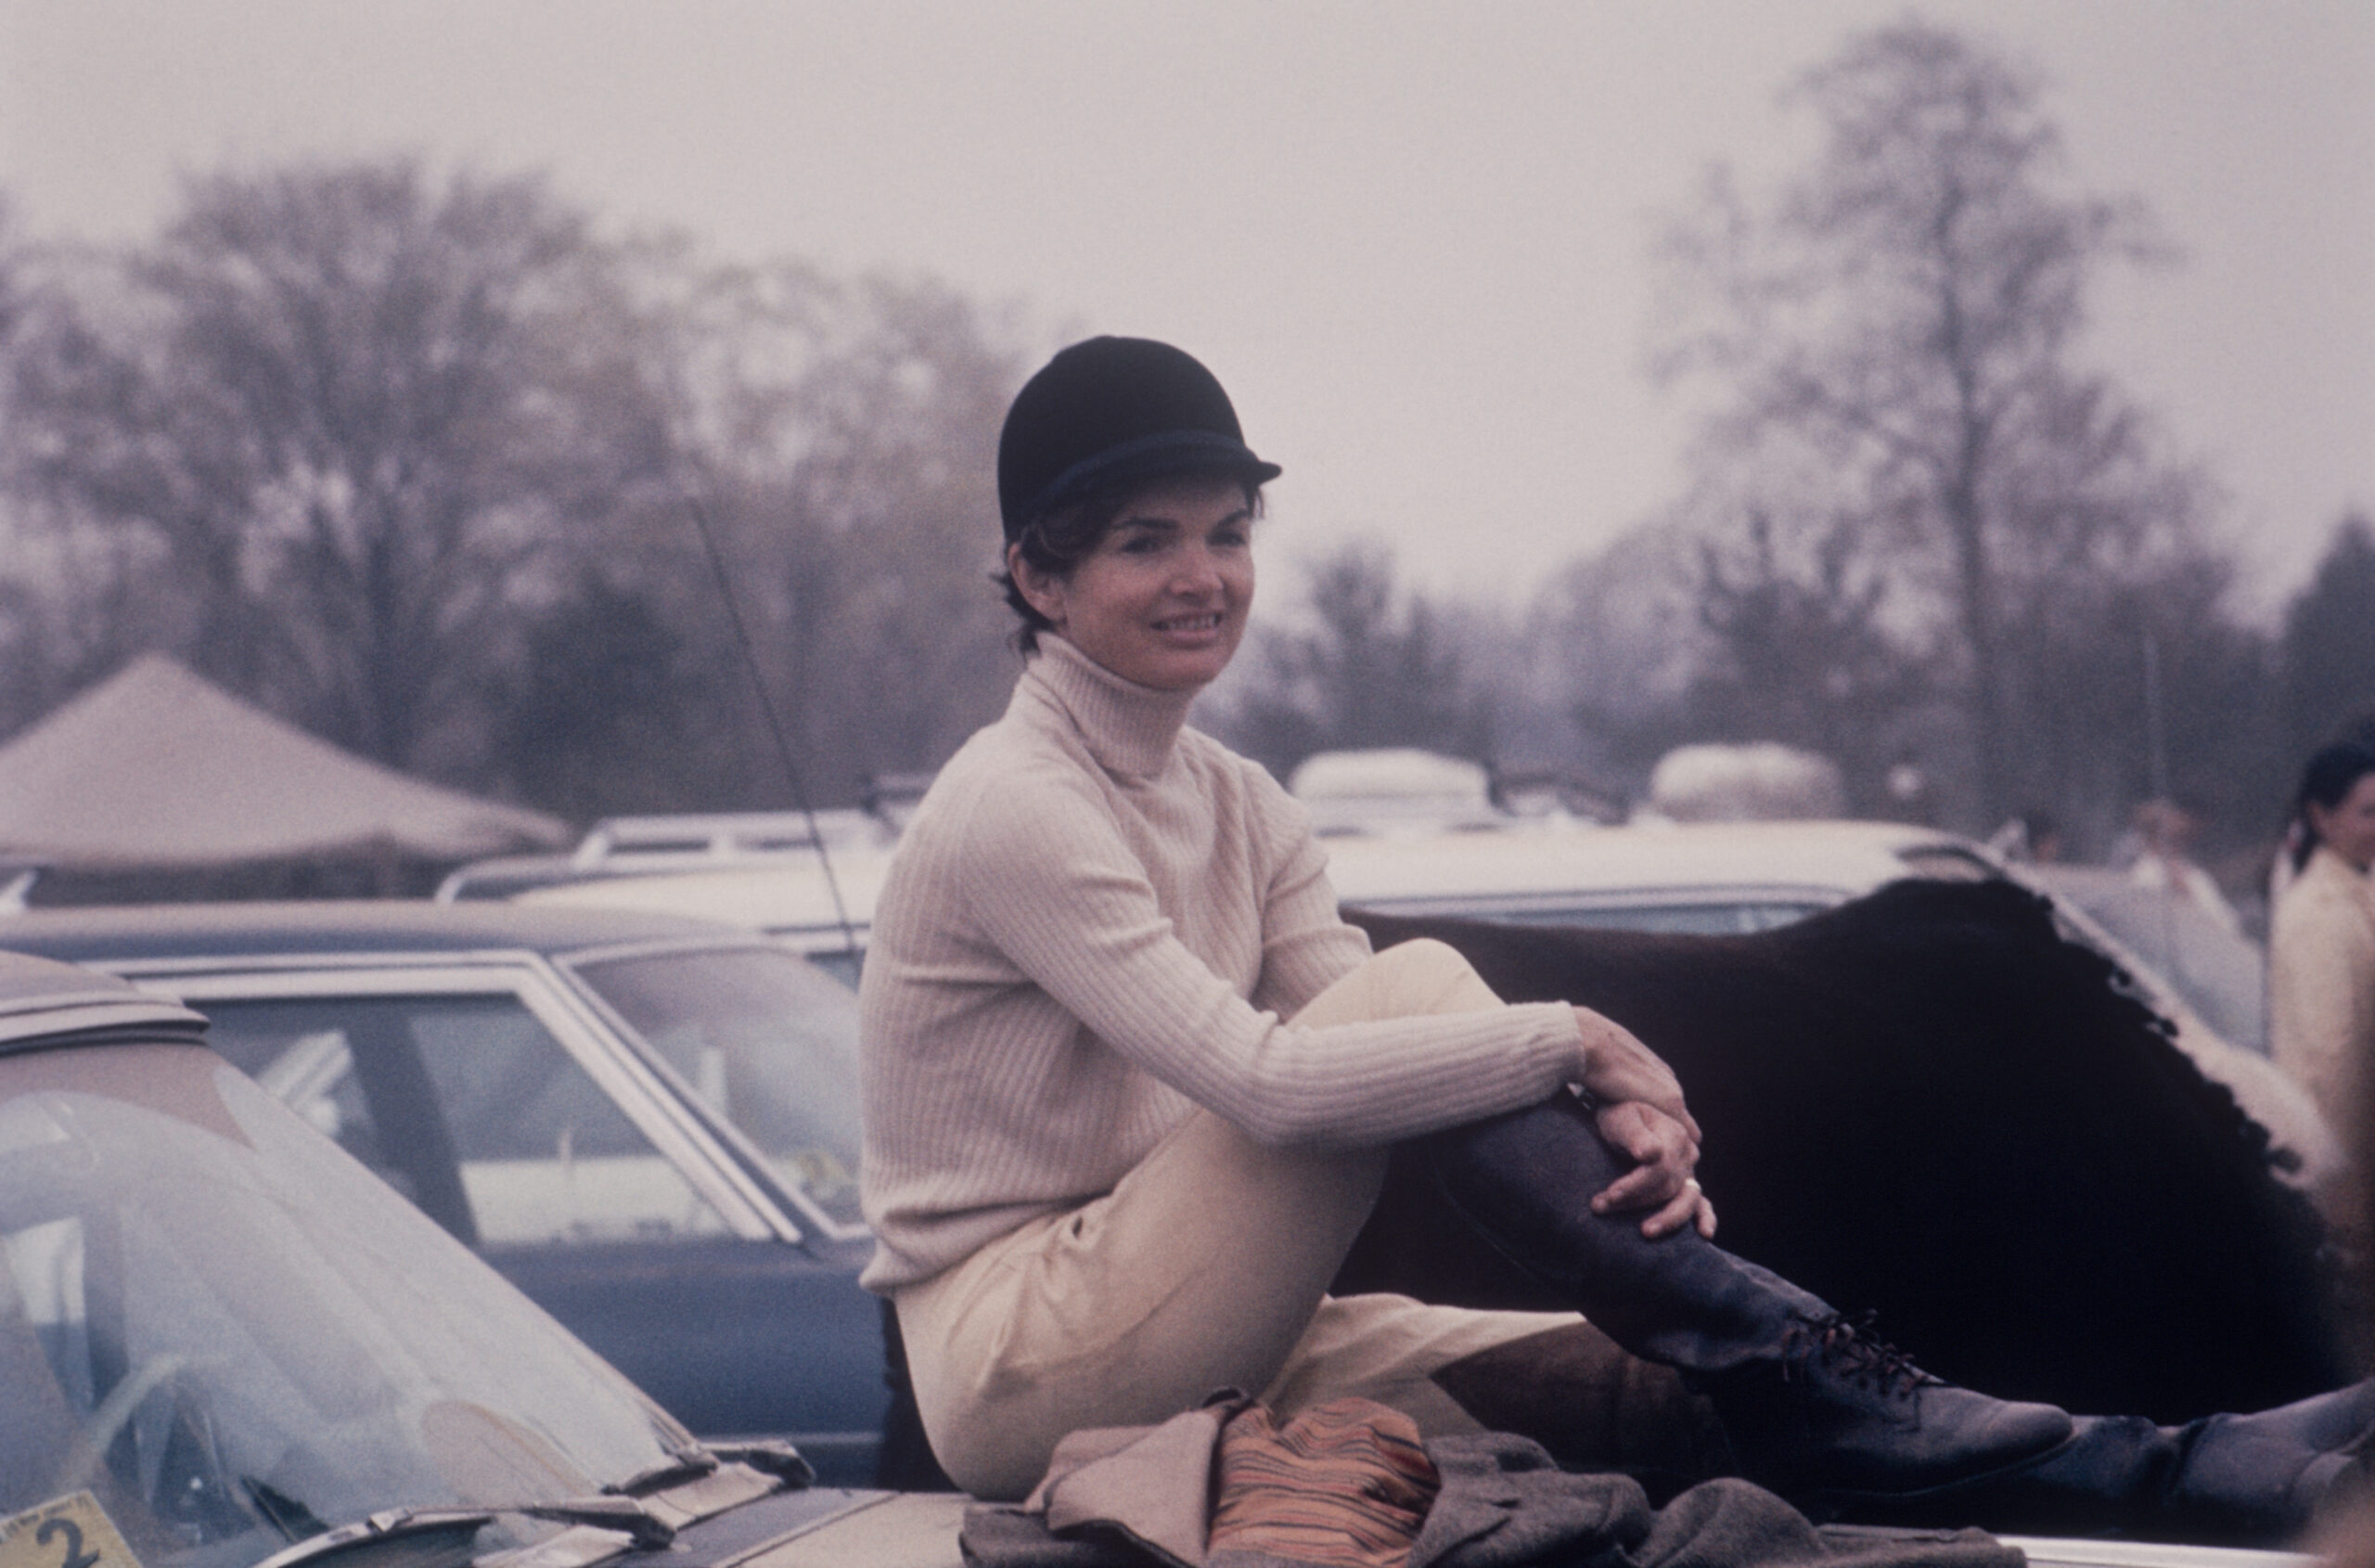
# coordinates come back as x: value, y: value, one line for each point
x: 2214, y: 966
x: 768, y: 1041
x: 234, y: 1337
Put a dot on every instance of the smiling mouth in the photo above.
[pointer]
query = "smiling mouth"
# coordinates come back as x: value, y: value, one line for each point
x: 1208, y: 623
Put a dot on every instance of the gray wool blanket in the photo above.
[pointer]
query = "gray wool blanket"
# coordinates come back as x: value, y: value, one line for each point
x: 1143, y: 1499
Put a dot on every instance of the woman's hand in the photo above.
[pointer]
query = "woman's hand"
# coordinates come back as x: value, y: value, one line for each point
x: 1662, y: 1181
x: 1641, y: 1112
x: 1618, y: 1067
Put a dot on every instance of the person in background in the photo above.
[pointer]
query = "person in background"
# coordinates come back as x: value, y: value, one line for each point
x: 2031, y: 837
x: 2321, y: 941
x: 2165, y: 833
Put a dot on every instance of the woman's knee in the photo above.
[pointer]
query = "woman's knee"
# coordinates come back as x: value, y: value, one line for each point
x: 995, y: 1461
x: 1429, y: 976
x: 1423, y: 955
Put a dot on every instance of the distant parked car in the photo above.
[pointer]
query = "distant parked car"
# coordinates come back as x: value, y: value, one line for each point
x: 222, y: 1341
x: 647, y: 1123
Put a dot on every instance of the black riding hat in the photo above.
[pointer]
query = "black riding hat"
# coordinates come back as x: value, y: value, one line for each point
x: 1115, y: 408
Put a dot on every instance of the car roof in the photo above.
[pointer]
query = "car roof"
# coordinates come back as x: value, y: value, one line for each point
x: 783, y: 897
x: 128, y: 932
x: 43, y: 1002
x: 1830, y: 860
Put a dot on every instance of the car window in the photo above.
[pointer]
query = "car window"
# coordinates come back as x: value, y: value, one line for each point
x: 2218, y: 971
x: 768, y: 1041
x: 472, y: 1109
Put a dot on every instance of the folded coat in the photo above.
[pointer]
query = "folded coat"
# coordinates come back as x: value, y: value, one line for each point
x: 1348, y: 1485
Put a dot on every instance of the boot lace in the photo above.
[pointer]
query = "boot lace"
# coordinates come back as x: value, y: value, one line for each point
x: 1846, y: 1348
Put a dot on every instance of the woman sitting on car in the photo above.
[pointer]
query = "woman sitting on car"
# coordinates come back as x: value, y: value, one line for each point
x: 1130, y: 1081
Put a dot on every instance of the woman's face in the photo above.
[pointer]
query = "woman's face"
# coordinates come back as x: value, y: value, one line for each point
x: 1163, y: 598
x: 2348, y: 826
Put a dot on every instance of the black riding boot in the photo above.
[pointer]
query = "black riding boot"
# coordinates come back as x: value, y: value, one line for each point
x: 1812, y: 1407
x: 2257, y: 1480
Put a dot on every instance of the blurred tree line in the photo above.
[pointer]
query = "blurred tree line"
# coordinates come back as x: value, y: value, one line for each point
x: 1922, y: 537
x: 438, y: 468
x: 439, y: 471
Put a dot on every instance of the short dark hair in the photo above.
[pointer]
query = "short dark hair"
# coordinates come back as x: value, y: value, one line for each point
x: 2331, y: 775
x: 1056, y: 541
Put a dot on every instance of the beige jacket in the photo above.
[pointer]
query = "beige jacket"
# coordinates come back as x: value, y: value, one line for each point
x: 2321, y: 984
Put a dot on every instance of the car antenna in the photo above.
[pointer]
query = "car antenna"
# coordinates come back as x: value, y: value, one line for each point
x: 700, y: 514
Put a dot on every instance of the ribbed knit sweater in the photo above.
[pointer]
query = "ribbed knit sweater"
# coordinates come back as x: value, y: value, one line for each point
x: 1093, y: 923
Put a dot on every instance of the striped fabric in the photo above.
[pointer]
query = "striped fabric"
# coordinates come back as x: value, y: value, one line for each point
x: 1344, y: 1484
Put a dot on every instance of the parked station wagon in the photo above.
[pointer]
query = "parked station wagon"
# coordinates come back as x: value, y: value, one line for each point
x: 222, y: 1343
x: 647, y: 1123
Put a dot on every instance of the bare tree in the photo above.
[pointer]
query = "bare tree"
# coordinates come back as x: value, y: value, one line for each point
x: 65, y: 613
x: 607, y: 709
x: 845, y: 463
x: 353, y: 408
x: 1895, y: 337
x: 2329, y: 642
x: 1806, y: 659
x: 1377, y: 668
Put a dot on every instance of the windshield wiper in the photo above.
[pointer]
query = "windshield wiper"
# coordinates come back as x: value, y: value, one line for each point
x: 630, y: 1516
x: 388, y: 1525
x: 627, y: 1506
x: 768, y: 1456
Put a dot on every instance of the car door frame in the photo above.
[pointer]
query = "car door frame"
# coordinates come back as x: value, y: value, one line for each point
x: 794, y: 1207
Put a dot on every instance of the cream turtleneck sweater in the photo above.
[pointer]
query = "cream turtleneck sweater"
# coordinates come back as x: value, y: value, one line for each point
x: 1094, y: 922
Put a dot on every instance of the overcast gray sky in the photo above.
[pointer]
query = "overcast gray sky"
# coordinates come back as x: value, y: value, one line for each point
x: 1413, y: 238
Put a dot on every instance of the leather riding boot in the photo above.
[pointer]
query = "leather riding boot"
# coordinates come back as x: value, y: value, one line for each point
x: 2256, y: 1480
x: 1812, y: 1406
x: 1593, y: 1406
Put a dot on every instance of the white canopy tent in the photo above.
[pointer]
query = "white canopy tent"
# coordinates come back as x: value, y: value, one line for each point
x: 156, y: 769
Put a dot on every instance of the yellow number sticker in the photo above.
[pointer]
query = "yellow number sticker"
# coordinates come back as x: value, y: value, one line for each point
x: 74, y: 1531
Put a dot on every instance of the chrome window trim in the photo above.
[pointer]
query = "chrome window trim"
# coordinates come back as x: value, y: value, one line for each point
x: 1535, y: 900
x: 2065, y: 1552
x: 726, y: 939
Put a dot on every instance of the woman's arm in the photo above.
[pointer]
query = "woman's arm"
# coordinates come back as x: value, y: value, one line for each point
x: 1307, y: 945
x: 1050, y: 881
